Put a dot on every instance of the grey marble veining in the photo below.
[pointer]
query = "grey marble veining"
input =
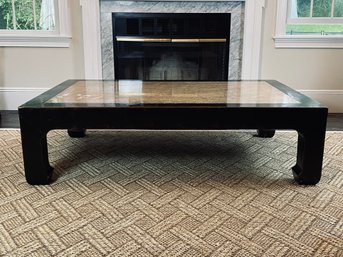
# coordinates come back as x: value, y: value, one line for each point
x: 170, y: 7
x: 236, y: 8
x: 107, y: 46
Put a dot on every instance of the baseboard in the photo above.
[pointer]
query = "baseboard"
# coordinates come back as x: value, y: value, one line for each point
x: 11, y: 98
x: 333, y: 99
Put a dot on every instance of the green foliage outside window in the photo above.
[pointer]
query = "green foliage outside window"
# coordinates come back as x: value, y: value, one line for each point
x: 338, y: 11
x: 303, y: 8
x: 24, y: 14
x: 6, y: 18
x: 321, y: 8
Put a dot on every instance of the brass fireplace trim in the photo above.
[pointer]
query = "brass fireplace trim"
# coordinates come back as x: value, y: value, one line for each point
x: 136, y: 39
x: 173, y: 40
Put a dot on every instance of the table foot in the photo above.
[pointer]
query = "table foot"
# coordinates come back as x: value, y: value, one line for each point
x: 35, y: 153
x: 265, y: 133
x: 304, y: 179
x: 308, y: 169
x: 38, y: 179
x: 76, y: 132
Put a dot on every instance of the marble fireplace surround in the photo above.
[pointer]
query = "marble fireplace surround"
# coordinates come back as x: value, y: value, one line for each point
x: 245, y: 43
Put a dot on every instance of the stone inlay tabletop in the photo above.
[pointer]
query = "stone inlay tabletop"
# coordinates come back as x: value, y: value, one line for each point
x: 133, y: 92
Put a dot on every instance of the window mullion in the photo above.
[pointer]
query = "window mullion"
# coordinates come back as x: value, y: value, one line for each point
x: 13, y: 16
x: 34, y: 14
x: 311, y: 9
x: 332, y: 7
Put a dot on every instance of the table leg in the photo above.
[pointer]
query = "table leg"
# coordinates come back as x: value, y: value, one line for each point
x: 35, y: 153
x: 77, y: 132
x: 265, y: 133
x: 308, y: 168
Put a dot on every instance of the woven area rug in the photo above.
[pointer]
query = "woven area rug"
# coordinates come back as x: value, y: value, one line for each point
x: 171, y: 194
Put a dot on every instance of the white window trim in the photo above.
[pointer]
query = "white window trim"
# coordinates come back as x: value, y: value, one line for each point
x: 59, y: 38
x: 300, y: 41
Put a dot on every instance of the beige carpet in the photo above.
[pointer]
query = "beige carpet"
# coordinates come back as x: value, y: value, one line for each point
x: 171, y: 194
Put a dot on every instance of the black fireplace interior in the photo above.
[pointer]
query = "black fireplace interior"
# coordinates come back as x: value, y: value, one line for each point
x: 171, y: 46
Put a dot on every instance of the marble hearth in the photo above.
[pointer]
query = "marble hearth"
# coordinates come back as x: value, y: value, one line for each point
x: 236, y: 8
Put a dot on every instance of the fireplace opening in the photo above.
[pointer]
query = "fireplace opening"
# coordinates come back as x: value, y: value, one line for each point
x: 171, y: 46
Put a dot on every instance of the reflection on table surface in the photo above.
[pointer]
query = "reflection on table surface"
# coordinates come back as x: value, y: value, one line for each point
x: 172, y: 92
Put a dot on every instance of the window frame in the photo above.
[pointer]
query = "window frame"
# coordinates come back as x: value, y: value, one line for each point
x: 60, y: 37
x: 282, y: 40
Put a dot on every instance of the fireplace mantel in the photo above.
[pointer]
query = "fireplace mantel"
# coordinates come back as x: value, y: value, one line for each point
x: 251, y: 40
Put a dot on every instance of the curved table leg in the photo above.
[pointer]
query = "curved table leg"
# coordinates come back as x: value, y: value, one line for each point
x: 35, y: 153
x: 265, y: 133
x: 77, y: 132
x: 308, y: 168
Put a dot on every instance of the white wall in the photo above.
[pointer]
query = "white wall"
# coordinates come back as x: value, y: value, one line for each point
x: 27, y: 72
x: 319, y: 72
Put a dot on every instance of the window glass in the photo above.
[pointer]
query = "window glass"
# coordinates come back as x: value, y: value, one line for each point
x: 338, y: 11
x: 322, y: 8
x: 6, y: 14
x: 27, y: 15
x: 301, y: 8
x: 24, y: 15
x: 46, y: 15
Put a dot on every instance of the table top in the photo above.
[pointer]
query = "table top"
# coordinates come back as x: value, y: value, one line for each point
x: 134, y: 93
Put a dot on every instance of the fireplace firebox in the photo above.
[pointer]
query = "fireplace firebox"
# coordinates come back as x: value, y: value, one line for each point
x: 171, y: 46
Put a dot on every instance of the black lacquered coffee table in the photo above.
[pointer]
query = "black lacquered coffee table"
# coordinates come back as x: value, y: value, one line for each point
x: 77, y: 105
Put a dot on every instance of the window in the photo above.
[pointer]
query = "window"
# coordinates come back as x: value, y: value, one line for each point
x: 315, y: 17
x: 309, y: 23
x: 27, y: 15
x: 36, y: 23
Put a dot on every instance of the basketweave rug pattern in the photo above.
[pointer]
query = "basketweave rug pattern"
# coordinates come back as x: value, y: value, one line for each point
x: 170, y: 194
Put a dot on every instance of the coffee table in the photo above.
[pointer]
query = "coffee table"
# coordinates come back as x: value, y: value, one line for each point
x: 265, y: 105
